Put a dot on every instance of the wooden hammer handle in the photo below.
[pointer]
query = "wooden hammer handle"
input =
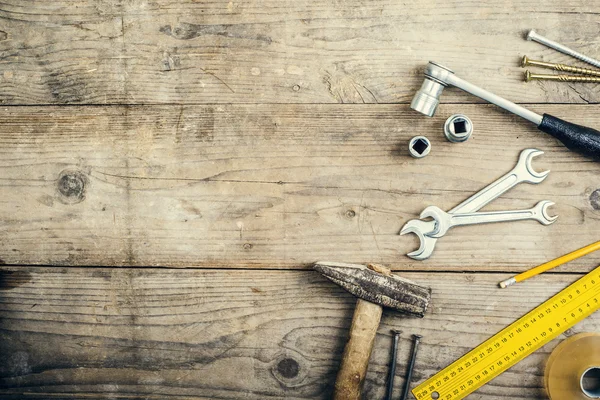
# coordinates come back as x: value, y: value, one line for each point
x: 357, y: 352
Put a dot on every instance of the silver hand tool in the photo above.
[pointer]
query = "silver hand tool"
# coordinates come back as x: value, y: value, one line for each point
x: 444, y: 221
x: 522, y: 172
x: 577, y: 138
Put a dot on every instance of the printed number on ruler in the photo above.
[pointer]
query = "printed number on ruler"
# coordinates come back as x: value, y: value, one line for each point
x: 514, y: 342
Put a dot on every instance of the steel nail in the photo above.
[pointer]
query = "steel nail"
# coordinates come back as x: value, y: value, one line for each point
x: 392, y: 373
x: 411, y: 366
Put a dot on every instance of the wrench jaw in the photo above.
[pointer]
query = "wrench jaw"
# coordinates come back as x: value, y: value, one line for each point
x: 438, y: 216
x: 525, y: 159
x: 426, y: 243
x: 542, y: 209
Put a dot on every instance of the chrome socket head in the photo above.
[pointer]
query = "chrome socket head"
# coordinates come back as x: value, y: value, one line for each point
x: 458, y: 128
x: 419, y: 146
x: 427, y: 98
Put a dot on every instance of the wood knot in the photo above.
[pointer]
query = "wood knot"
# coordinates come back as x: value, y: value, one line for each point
x: 247, y: 246
x: 288, y: 368
x: 72, y: 186
x: 595, y: 199
x: 350, y: 214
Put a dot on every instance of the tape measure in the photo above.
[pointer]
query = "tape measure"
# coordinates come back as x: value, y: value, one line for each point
x: 515, y: 342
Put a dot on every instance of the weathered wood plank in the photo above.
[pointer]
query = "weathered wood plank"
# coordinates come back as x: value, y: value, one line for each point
x: 276, y: 186
x: 144, y: 333
x: 144, y: 51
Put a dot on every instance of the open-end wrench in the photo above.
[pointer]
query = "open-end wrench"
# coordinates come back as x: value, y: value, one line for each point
x: 445, y: 221
x: 522, y: 172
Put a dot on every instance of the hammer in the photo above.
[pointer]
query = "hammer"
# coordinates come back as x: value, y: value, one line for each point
x: 375, y: 287
x: 577, y: 138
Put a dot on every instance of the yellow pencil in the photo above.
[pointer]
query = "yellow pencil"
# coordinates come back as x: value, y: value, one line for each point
x: 550, y: 264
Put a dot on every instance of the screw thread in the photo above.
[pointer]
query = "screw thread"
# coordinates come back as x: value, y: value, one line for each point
x: 573, y: 78
x: 526, y: 62
x: 532, y: 35
x: 576, y: 70
x: 562, y: 78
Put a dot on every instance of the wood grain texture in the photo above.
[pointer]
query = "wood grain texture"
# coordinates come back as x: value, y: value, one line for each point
x: 195, y: 334
x: 277, y: 186
x: 172, y: 51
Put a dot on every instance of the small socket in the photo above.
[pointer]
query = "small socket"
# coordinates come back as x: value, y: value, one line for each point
x: 458, y: 128
x: 419, y: 146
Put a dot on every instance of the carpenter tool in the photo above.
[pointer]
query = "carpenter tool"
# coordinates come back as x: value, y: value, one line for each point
x: 411, y: 366
x: 578, y: 138
x: 526, y: 62
x: 561, y: 78
x: 444, y: 221
x: 392, y: 374
x: 550, y: 264
x: 375, y: 287
x: 515, y: 342
x: 522, y: 172
x: 533, y: 35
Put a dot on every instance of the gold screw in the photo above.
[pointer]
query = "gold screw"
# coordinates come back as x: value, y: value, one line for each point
x: 559, y: 67
x: 563, y: 78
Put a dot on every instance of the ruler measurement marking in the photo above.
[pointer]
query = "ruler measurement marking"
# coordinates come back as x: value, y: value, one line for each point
x: 523, y: 353
x: 516, y: 341
x: 502, y: 356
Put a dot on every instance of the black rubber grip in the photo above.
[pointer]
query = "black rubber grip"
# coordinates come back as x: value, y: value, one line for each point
x: 578, y: 138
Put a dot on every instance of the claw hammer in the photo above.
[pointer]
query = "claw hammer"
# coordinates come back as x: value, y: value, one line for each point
x: 375, y: 287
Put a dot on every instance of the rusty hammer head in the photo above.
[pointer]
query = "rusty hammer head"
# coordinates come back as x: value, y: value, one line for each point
x: 376, y: 284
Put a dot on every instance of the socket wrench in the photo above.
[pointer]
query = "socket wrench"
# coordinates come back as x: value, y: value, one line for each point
x: 577, y: 138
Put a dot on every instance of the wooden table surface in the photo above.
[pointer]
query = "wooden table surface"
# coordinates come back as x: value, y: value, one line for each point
x: 170, y: 169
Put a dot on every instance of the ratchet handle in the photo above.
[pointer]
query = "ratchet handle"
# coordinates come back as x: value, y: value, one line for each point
x: 580, y: 139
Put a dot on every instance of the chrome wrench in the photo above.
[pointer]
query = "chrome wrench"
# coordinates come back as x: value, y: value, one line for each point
x: 444, y: 221
x: 522, y: 172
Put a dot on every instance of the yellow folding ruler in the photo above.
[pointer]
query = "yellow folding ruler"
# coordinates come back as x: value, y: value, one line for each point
x: 515, y: 342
